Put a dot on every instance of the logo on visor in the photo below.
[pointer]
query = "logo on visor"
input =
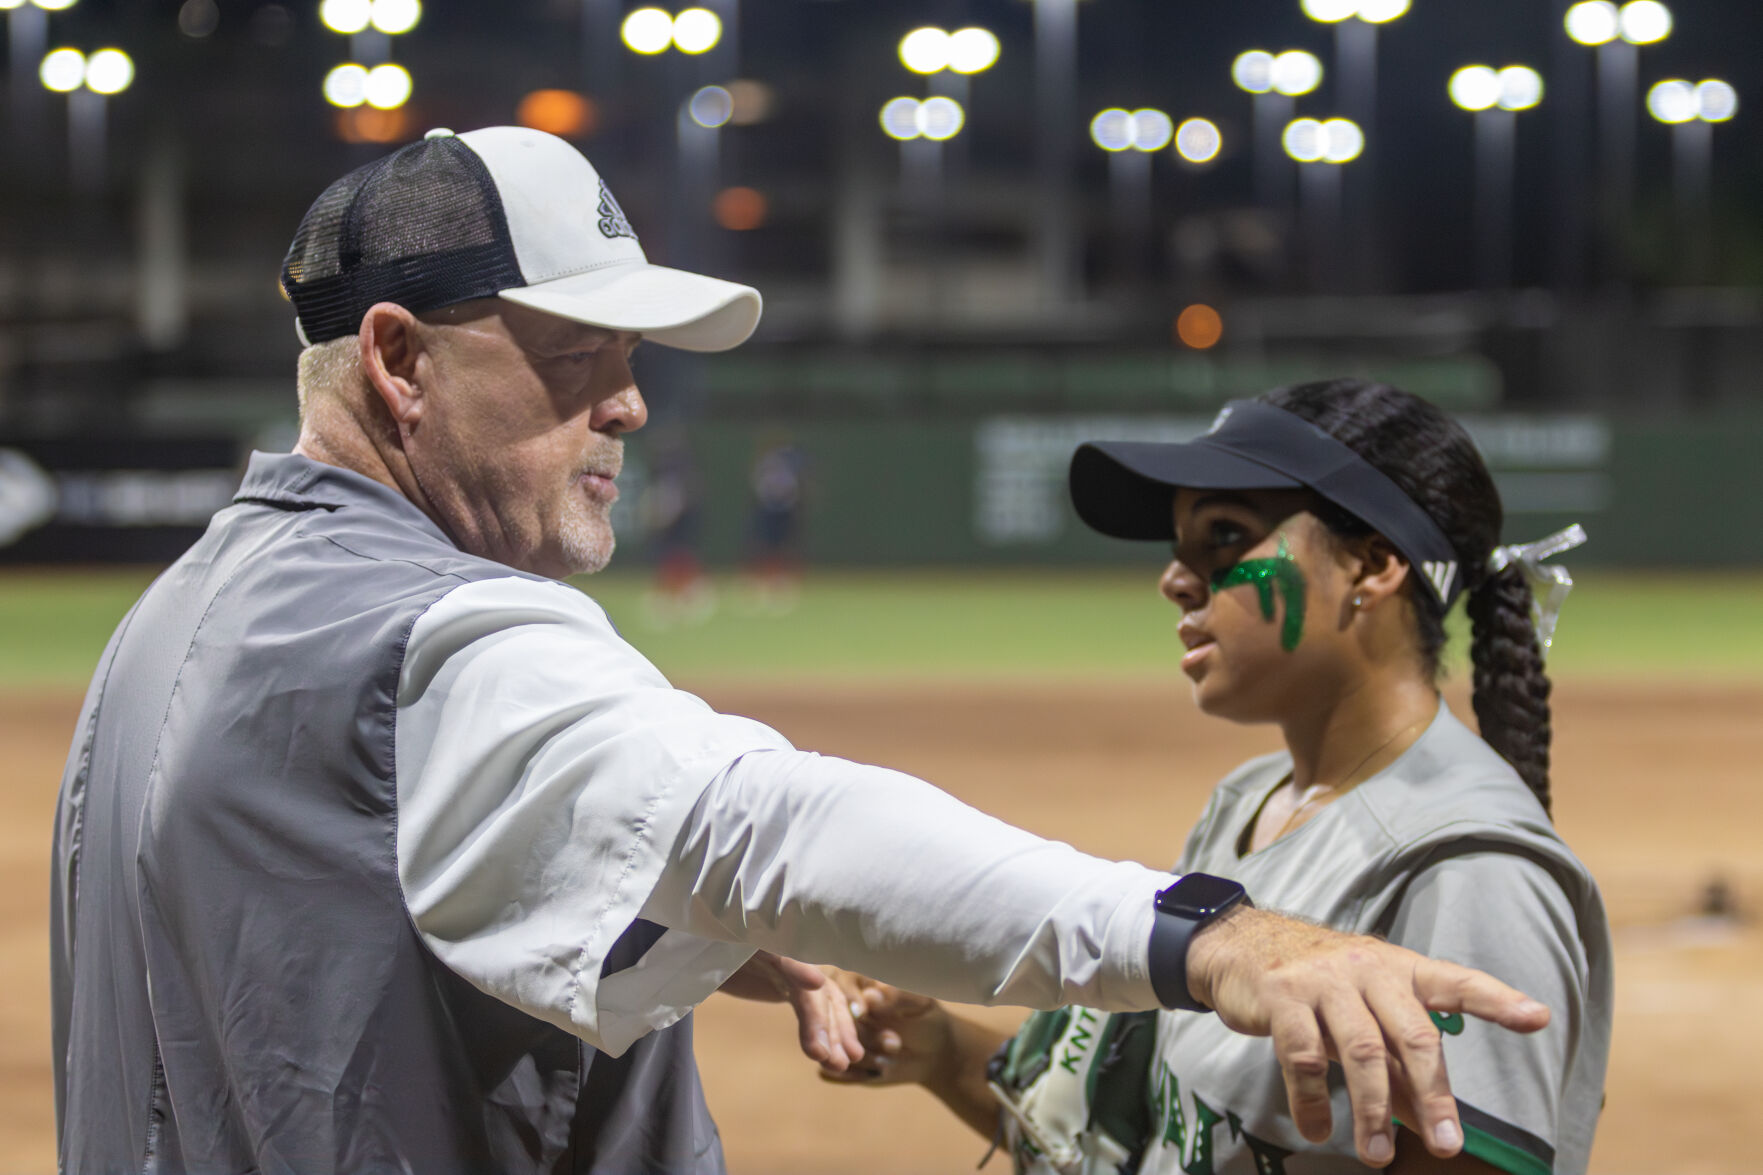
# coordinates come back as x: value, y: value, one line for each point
x: 612, y: 221
x: 1441, y: 576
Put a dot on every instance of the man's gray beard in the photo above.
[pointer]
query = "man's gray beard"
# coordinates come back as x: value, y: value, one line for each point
x: 587, y: 542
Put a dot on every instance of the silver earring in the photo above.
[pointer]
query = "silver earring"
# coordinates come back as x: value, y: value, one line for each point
x: 1358, y: 601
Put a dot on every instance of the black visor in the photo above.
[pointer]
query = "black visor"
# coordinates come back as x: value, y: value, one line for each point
x: 1125, y: 489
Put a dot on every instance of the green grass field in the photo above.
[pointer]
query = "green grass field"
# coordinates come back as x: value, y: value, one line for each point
x: 983, y: 624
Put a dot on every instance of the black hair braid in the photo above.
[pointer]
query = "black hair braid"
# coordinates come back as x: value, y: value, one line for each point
x: 1435, y: 463
x: 1511, y: 689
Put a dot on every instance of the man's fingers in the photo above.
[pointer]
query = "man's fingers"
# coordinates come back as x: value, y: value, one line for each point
x: 1422, y: 1089
x: 1365, y: 1062
x: 1446, y: 987
x: 1303, y: 1059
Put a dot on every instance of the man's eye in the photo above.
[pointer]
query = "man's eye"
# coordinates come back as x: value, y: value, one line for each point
x: 1225, y: 534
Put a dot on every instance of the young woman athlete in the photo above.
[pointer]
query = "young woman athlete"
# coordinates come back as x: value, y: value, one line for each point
x: 1321, y: 533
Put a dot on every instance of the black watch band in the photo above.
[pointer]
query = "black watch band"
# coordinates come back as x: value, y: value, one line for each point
x: 1195, y: 900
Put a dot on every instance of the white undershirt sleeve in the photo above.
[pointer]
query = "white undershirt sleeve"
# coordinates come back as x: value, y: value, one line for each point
x: 553, y: 788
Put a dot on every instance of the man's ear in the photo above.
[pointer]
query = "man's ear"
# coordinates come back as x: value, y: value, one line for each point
x: 1382, y: 572
x: 390, y: 343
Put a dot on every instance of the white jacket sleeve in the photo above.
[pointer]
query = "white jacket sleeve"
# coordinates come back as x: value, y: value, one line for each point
x: 553, y: 788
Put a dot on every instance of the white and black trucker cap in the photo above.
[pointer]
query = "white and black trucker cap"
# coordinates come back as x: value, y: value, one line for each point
x: 1126, y: 489
x: 504, y: 211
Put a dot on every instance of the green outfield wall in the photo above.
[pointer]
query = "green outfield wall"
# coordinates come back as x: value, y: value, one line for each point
x: 894, y: 490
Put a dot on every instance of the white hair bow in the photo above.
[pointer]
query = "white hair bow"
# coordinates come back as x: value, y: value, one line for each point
x: 1549, y: 585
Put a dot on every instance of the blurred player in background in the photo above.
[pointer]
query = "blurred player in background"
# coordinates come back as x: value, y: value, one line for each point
x: 672, y: 511
x: 774, y: 572
x: 1320, y: 535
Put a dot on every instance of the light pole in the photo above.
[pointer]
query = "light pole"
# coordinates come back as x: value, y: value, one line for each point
x: 1055, y: 100
x: 921, y: 128
x: 1131, y: 138
x: 1321, y: 149
x: 1274, y: 81
x: 27, y: 36
x: 1691, y: 110
x: 1356, y: 23
x: 87, y: 82
x: 1494, y: 96
x: 1617, y: 33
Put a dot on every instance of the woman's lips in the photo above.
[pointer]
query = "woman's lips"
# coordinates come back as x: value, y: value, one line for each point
x: 1191, y: 659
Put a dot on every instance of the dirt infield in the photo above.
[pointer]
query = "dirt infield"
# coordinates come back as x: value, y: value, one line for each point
x: 1655, y: 787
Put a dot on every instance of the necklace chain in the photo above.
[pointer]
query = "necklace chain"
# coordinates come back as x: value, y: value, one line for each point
x: 1317, y: 791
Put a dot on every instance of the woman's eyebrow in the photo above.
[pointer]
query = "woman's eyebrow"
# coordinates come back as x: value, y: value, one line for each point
x: 1223, y: 499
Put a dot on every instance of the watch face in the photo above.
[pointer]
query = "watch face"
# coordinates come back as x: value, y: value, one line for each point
x: 1199, y: 896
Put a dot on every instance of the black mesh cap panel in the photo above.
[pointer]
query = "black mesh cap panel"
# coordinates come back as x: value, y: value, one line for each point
x: 423, y: 227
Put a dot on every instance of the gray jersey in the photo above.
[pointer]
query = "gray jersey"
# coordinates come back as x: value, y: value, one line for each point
x: 1448, y: 853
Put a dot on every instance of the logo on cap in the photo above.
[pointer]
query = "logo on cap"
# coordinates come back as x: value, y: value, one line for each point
x: 612, y: 221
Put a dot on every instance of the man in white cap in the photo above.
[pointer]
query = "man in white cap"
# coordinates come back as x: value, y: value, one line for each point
x: 378, y: 848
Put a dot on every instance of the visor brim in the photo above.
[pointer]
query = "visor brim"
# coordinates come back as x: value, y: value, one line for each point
x: 667, y: 306
x: 1126, y: 489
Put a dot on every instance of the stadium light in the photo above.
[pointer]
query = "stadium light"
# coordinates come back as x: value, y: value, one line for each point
x: 711, y: 107
x: 347, y: 17
x: 346, y: 85
x: 1645, y: 22
x: 1198, y: 140
x: 1369, y: 11
x: 1335, y: 140
x: 109, y: 71
x: 1147, y: 130
x: 53, y: 5
x: 388, y: 86
x: 1292, y: 73
x: 931, y: 50
x: 1594, y: 22
x: 696, y: 30
x: 1676, y: 101
x: 1481, y: 87
x: 1253, y: 71
x: 396, y: 17
x: 647, y: 31
x: 937, y: 119
x: 63, y: 70
x: 1296, y: 73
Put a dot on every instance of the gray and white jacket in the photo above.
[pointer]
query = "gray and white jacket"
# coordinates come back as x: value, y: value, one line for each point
x: 372, y: 854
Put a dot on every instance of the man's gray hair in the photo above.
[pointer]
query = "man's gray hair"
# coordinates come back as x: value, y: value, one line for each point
x: 328, y: 368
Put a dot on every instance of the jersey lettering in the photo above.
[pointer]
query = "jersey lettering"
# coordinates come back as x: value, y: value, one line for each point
x: 1081, y: 1039
x: 1194, y: 1145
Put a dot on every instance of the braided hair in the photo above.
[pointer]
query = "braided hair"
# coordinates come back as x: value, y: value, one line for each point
x: 1431, y: 459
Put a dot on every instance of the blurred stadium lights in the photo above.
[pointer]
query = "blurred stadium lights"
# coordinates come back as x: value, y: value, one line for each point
x: 937, y: 119
x: 1675, y: 101
x: 564, y: 113
x: 384, y: 87
x: 1147, y: 130
x: 711, y: 107
x: 650, y: 31
x: 931, y: 50
x: 1481, y: 87
x: 1292, y: 73
x: 1370, y: 11
x: 106, y: 72
x: 45, y: 5
x: 1198, y: 140
x: 1599, y: 22
x: 349, y: 17
x: 1334, y: 140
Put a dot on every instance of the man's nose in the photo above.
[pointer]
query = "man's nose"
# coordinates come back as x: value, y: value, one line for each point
x: 1182, y: 587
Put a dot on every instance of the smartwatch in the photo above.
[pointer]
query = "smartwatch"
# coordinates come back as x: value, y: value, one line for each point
x: 1195, y: 900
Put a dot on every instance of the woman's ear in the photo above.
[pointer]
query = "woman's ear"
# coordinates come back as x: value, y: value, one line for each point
x: 1382, y: 572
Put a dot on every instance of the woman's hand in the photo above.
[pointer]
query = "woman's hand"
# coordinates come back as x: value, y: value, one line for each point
x: 825, y: 1027
x: 906, y: 1038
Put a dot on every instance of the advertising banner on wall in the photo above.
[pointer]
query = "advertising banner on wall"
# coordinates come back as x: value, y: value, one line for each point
x: 111, y: 500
